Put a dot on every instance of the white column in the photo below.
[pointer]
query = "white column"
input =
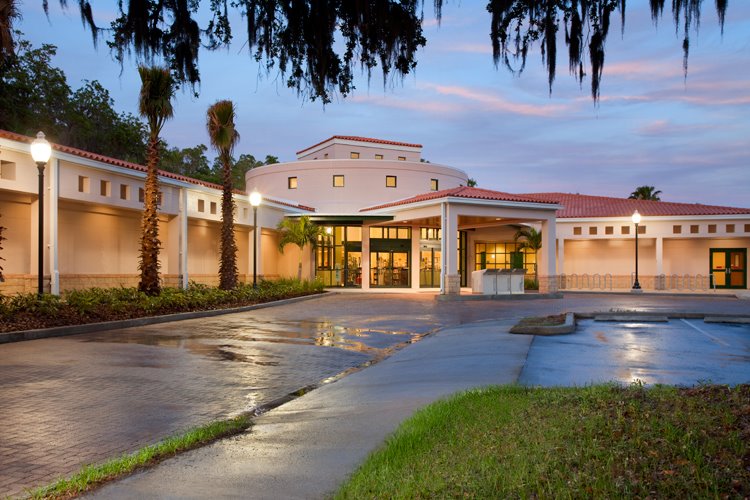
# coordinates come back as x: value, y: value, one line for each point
x: 183, y: 238
x: 415, y: 257
x: 560, y: 255
x: 659, y: 255
x: 365, y: 257
x: 52, y: 234
x: 546, y: 265
x: 452, y: 280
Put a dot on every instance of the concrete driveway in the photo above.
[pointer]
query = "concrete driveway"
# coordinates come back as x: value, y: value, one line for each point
x: 66, y: 402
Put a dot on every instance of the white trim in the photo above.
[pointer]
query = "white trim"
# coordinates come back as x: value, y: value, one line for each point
x: 654, y: 218
x: 464, y: 201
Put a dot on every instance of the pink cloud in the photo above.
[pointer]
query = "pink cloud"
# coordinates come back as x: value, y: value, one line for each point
x: 496, y: 103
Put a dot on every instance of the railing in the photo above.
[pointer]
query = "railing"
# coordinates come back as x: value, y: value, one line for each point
x: 675, y: 282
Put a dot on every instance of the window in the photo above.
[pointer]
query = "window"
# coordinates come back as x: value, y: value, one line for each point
x: 7, y: 170
x: 201, y: 206
x: 676, y: 229
x: 695, y: 229
x: 291, y: 183
x: 124, y: 192
x: 244, y: 213
x: 577, y: 230
x: 730, y: 228
x: 592, y: 230
x: 378, y: 157
x: 641, y: 229
x: 390, y: 233
x: 747, y: 228
x: 712, y: 228
x: 390, y: 181
x: 213, y: 207
x: 625, y: 230
x: 402, y: 158
x: 503, y: 255
x: 83, y: 184
x: 338, y: 181
x: 105, y: 188
x: 433, y: 184
x: 354, y: 155
x: 159, y: 197
x: 609, y: 230
x: 325, y: 156
x: 429, y: 233
x: 141, y: 194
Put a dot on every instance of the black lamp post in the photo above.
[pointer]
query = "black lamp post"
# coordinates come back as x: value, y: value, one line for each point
x: 255, y: 199
x: 636, y: 218
x: 40, y: 152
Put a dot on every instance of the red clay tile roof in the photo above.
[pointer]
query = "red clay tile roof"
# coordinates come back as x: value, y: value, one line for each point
x: 362, y: 139
x: 463, y: 192
x: 134, y: 166
x: 583, y: 206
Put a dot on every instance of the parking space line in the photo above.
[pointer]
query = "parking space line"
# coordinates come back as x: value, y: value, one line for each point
x: 712, y: 337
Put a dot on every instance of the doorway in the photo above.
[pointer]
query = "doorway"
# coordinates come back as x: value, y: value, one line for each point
x: 729, y: 267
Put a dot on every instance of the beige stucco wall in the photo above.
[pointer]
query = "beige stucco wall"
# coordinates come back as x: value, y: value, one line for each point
x: 691, y: 256
x: 616, y: 257
x: 16, y: 218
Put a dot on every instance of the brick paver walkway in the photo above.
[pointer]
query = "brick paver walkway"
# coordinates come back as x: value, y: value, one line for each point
x: 66, y: 402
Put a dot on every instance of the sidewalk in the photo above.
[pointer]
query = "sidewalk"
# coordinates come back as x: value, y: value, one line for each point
x: 306, y: 448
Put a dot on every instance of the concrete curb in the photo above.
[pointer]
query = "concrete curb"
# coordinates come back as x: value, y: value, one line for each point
x: 632, y: 317
x: 658, y: 294
x: 727, y: 319
x: 515, y: 296
x: 61, y: 331
x: 656, y: 316
x: 568, y: 327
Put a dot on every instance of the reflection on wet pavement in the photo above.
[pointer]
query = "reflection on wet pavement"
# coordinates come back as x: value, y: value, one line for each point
x: 680, y: 352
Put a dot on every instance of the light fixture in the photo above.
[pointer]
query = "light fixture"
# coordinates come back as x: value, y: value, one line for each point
x: 636, y: 218
x: 255, y: 199
x: 40, y: 152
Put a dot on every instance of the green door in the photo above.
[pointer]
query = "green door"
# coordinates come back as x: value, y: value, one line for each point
x: 729, y: 267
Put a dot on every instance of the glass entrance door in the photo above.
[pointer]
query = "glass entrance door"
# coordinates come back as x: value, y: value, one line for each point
x: 429, y: 268
x: 389, y: 269
x: 729, y: 267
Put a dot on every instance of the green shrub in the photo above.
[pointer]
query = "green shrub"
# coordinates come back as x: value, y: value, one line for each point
x: 530, y: 284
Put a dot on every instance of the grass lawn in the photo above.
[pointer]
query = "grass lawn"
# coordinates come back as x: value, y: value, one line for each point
x: 601, y: 441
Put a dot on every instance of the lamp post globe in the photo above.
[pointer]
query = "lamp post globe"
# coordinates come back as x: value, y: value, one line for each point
x: 41, y: 150
x: 255, y: 199
x: 636, y: 218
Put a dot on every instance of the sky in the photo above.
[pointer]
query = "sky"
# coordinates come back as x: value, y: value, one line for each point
x: 687, y: 137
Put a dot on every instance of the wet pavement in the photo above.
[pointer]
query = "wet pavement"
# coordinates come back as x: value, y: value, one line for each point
x: 66, y: 402
x: 678, y: 352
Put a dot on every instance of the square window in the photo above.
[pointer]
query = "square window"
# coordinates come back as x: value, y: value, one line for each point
x: 325, y: 156
x: 433, y: 184
x: 105, y: 188
x: 141, y: 194
x: 376, y: 232
x: 625, y: 230
x: 390, y: 181
x: 213, y: 207
x: 730, y: 228
x: 677, y: 229
x: 83, y: 184
x: 577, y: 230
x: 291, y: 183
x: 338, y: 181
x: 712, y: 228
x: 124, y: 192
x: 7, y: 170
x: 609, y: 230
x: 641, y: 229
x: 592, y: 230
x: 402, y: 158
x: 354, y: 155
x: 378, y: 157
x: 201, y: 206
x: 694, y: 229
x: 747, y: 228
x: 403, y: 233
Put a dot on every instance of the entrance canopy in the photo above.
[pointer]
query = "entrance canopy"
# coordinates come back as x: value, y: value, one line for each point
x: 466, y: 208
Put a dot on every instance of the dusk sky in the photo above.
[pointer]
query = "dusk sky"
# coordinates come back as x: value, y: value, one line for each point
x: 688, y: 138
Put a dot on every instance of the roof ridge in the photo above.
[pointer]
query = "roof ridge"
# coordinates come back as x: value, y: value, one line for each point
x: 361, y: 139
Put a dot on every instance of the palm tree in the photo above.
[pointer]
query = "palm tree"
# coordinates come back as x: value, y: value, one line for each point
x: 224, y: 136
x: 532, y: 240
x: 301, y: 232
x: 154, y: 104
x: 645, y: 193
